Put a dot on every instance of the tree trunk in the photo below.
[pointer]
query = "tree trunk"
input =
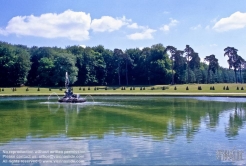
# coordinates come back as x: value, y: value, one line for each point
x: 149, y: 77
x: 126, y: 74
x: 241, y: 75
x: 235, y: 71
x: 172, y: 74
x: 188, y: 63
x: 119, y: 72
x: 208, y: 77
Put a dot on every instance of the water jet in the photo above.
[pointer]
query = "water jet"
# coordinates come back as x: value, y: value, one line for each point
x: 69, y: 97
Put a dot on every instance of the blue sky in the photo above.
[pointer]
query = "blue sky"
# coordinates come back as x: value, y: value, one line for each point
x: 208, y: 26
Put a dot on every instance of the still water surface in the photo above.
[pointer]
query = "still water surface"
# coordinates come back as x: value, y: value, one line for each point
x: 123, y: 131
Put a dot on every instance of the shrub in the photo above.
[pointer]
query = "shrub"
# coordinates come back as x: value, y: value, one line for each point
x: 187, y: 88
x: 237, y: 88
x: 152, y: 88
x: 38, y: 89
x: 106, y: 88
x: 83, y: 89
x: 89, y: 88
x: 175, y: 88
x: 224, y: 88
x: 13, y: 89
x: 79, y: 88
x: 227, y: 88
x: 27, y: 89
x: 60, y: 89
x: 199, y: 88
x: 2, y: 89
x: 133, y: 88
x: 114, y: 88
x: 122, y: 88
x: 163, y: 88
x: 143, y: 88
x: 140, y: 88
x: 95, y: 88
x: 242, y: 88
x: 49, y: 89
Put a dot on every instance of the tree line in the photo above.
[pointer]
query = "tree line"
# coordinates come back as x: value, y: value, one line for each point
x: 46, y: 66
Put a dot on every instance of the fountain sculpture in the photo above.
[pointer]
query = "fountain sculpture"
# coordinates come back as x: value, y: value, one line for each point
x: 69, y: 96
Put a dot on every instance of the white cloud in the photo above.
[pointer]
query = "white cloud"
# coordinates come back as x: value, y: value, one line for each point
x: 196, y: 27
x: 141, y: 48
x: 83, y: 46
x: 69, y: 24
x: 167, y: 27
x: 236, y: 21
x: 135, y: 26
x: 3, y: 32
x: 107, y: 23
x: 146, y: 34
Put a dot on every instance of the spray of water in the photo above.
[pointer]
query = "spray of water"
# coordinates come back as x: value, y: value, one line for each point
x: 53, y: 93
x: 91, y: 98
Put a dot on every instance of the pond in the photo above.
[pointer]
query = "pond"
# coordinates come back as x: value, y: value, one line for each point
x: 123, y: 131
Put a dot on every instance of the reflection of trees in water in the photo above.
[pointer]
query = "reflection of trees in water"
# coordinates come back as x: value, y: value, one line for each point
x: 213, y: 113
x: 188, y: 114
x: 237, y: 119
x: 158, y: 118
x: 181, y: 117
x: 164, y: 121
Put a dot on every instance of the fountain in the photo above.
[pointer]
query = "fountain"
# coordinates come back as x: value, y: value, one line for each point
x: 69, y: 96
x: 52, y: 94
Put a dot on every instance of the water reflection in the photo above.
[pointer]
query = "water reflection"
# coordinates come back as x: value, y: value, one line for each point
x: 237, y: 119
x: 69, y: 109
x: 162, y: 121
x: 160, y: 118
x: 126, y: 130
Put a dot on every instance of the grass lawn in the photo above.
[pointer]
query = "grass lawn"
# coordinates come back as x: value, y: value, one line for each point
x: 146, y: 90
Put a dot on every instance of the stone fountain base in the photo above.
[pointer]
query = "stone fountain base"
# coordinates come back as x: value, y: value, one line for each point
x: 71, y: 98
